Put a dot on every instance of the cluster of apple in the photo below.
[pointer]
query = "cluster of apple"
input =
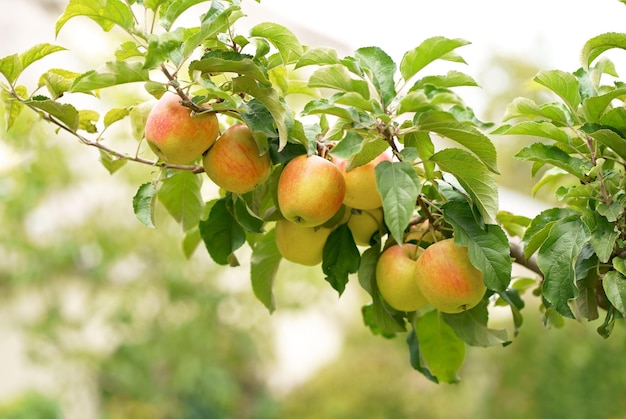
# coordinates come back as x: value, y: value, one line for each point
x: 315, y: 195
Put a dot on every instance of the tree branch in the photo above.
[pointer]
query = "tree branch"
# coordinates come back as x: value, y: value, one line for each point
x: 517, y: 253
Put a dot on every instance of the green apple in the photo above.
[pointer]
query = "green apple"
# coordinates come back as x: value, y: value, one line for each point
x: 395, y: 277
x: 361, y: 191
x: 310, y: 190
x: 364, y: 223
x: 447, y: 278
x: 300, y: 244
x: 235, y: 162
x: 176, y: 134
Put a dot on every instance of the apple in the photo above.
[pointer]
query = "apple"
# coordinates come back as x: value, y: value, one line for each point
x: 447, y: 278
x: 310, y: 190
x: 300, y: 244
x: 361, y: 191
x: 235, y: 162
x: 364, y: 223
x: 424, y: 234
x: 395, y: 277
x: 175, y: 134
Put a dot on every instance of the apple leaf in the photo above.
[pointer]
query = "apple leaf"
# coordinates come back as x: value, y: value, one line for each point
x: 473, y: 176
x: 172, y: 9
x: 451, y: 79
x: 619, y: 264
x: 283, y: 39
x: 381, y: 320
x: 472, y: 327
x: 550, y: 154
x: 523, y: 107
x: 383, y: 70
x: 336, y: 77
x: 246, y: 218
x: 110, y: 162
x: 564, y: 84
x: 463, y: 132
x: 12, y: 66
x: 190, y: 242
x: 221, y: 233
x: 399, y: 187
x: 367, y: 268
x: 64, y: 112
x: 106, y: 13
x: 143, y: 204
x: 230, y: 62
x: 180, y: 195
x: 428, y: 51
x: 595, y: 46
x: 274, y: 103
x: 614, y: 284
x: 164, y: 46
x: 595, y: 106
x: 612, y: 140
x: 440, y: 347
x: 341, y: 257
x: 415, y: 357
x: 487, y: 245
x: 603, y: 234
x: 539, y: 228
x: 114, y: 73
x: 318, y: 56
x: 12, y: 106
x: 542, y: 129
x: 557, y: 259
x: 264, y: 264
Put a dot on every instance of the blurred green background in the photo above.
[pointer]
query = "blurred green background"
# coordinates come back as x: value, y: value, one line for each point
x: 101, y: 317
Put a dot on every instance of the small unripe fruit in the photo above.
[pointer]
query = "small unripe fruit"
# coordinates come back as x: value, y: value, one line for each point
x: 300, y: 244
x: 176, y: 135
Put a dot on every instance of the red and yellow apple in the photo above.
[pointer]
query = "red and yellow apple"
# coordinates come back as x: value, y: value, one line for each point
x: 300, y: 244
x: 175, y: 134
x: 235, y: 162
x: 361, y: 191
x: 395, y: 277
x: 446, y: 277
x: 364, y: 223
x: 310, y: 190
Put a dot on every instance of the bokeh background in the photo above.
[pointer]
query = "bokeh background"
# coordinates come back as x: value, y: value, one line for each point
x: 101, y: 317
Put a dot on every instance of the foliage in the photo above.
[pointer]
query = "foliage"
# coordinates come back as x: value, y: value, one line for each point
x: 359, y: 106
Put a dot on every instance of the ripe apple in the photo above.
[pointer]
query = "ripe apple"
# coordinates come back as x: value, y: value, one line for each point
x: 310, y: 190
x: 176, y: 135
x: 395, y: 277
x: 234, y: 161
x: 300, y: 244
x: 447, y: 278
x: 364, y: 223
x: 361, y: 192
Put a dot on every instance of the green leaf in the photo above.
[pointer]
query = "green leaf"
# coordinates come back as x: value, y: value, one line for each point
x: 110, y: 162
x: 550, y: 154
x: 542, y: 129
x: 564, y: 84
x: 381, y: 322
x: 464, y: 133
x: 114, y: 115
x: 64, y: 112
x: 173, y: 9
x: 416, y: 357
x: 114, y: 73
x: 106, y: 13
x: 487, y: 245
x: 318, y: 56
x: 143, y: 204
x: 603, y: 235
x: 599, y: 44
x: 539, y: 228
x: 246, y: 218
x: 383, y: 70
x: 441, y: 348
x: 595, y: 106
x: 428, y: 51
x: 557, y: 259
x: 522, y: 107
x: 282, y: 38
x: 451, y: 79
x: 619, y: 264
x: 162, y: 47
x: 180, y: 195
x: 612, y: 140
x: 341, y: 258
x: 11, y: 67
x: 472, y: 327
x: 367, y: 268
x: 58, y: 81
x: 264, y: 264
x: 274, y: 103
x: 218, y: 62
x: 12, y: 106
x: 221, y: 233
x: 614, y: 284
x: 399, y: 187
x: 336, y: 77
x: 190, y: 242
x: 474, y: 177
